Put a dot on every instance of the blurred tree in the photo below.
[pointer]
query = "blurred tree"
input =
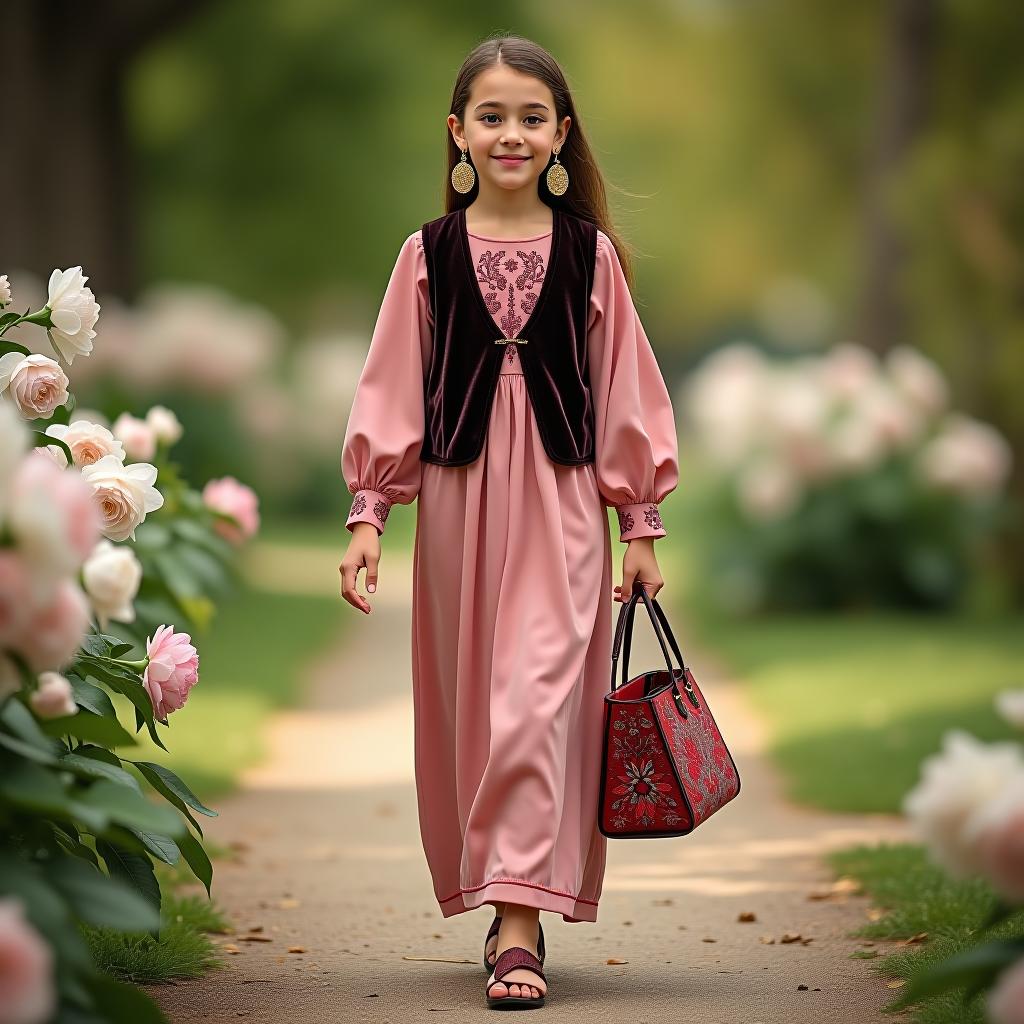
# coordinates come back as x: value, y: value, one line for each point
x: 69, y: 190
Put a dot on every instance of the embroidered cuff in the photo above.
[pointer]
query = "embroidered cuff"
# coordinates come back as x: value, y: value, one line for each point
x: 369, y: 507
x: 639, y: 520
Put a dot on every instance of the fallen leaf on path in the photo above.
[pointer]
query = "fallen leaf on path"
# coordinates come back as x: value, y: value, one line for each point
x: 801, y: 988
x: 768, y: 940
x: 296, y: 949
x: 839, y: 889
x: 898, y: 983
x: 791, y: 937
x: 230, y: 948
x: 747, y: 915
x: 864, y: 954
x: 919, y: 937
x: 255, y: 938
x: 708, y: 940
x: 615, y: 960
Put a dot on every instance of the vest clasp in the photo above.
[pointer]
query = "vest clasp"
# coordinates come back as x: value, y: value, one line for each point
x: 511, y: 341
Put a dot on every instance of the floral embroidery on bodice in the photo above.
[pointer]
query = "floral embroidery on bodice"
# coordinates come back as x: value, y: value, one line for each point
x: 509, y: 275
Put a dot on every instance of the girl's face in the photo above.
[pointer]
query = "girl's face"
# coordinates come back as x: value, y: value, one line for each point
x: 509, y: 114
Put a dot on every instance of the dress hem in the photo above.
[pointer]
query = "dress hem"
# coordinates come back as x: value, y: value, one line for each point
x: 529, y: 894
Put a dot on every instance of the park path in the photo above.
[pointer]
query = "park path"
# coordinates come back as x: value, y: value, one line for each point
x: 335, y: 917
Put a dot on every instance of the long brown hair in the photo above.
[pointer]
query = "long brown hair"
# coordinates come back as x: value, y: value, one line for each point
x: 586, y: 196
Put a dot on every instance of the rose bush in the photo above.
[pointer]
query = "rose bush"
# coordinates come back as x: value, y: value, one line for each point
x: 840, y: 479
x: 98, y: 556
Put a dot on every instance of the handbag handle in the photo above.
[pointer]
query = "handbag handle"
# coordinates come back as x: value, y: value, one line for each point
x: 625, y: 626
x: 658, y: 619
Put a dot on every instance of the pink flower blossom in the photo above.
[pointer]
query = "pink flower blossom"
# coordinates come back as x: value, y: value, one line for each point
x: 1006, y: 1000
x: 14, y: 597
x: 172, y: 671
x: 53, y: 698
x: 55, y: 631
x: 229, y: 496
x: 27, y: 992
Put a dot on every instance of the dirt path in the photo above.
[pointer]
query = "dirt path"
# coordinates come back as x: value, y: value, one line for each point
x: 332, y: 864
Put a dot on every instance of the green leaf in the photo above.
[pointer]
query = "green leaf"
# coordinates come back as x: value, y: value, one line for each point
x: 180, y: 581
x: 134, y: 869
x: 85, y: 725
x: 975, y: 967
x: 105, y: 900
x: 34, y: 788
x: 160, y: 846
x: 91, y: 697
x: 92, y: 768
x: 23, y: 724
x: 29, y: 750
x: 166, y: 782
x: 127, y: 807
x: 196, y: 858
x: 119, y: 1001
x: 46, y: 910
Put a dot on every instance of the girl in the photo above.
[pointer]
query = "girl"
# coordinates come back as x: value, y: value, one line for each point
x: 510, y: 386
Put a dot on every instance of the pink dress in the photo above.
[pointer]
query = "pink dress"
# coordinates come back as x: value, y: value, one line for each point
x: 512, y: 581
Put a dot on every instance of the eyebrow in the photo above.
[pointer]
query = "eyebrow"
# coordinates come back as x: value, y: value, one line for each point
x: 495, y: 103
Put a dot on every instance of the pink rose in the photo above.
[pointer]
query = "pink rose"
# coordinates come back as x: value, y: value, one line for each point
x: 1006, y: 1001
x: 27, y: 993
x: 14, y: 598
x: 55, y: 632
x: 232, y: 498
x: 137, y: 435
x: 172, y: 671
x: 36, y: 383
x: 997, y: 832
x: 53, y: 697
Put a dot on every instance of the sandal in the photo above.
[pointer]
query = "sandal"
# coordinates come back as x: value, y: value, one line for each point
x: 512, y: 958
x: 492, y: 933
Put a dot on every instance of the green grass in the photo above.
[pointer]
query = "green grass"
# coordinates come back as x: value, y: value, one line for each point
x: 184, y: 948
x: 918, y: 897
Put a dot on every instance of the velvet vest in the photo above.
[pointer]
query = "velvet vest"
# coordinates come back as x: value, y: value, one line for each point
x: 468, y: 346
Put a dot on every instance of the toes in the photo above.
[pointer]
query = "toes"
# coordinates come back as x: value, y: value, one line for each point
x: 498, y: 990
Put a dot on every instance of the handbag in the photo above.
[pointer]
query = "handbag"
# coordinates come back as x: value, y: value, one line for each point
x: 664, y: 767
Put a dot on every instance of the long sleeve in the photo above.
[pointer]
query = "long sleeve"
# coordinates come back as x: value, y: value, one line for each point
x: 380, y: 455
x: 637, y: 454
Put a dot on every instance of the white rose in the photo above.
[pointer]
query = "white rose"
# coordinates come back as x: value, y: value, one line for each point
x: 53, y: 698
x: 88, y: 441
x: 1010, y: 704
x: 164, y: 424
x: 125, y: 494
x: 73, y: 313
x: 137, y: 435
x: 5, y: 291
x: 918, y: 378
x: 954, y: 784
x: 966, y: 456
x: 36, y: 383
x: 112, y: 574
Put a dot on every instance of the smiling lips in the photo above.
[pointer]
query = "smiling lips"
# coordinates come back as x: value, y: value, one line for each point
x: 512, y: 161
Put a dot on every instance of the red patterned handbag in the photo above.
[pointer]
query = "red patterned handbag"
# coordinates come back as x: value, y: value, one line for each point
x: 665, y: 767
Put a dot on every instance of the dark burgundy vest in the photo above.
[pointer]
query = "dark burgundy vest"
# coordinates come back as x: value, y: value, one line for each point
x: 552, y: 346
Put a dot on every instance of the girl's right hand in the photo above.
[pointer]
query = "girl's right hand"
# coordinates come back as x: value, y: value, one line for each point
x: 363, y: 551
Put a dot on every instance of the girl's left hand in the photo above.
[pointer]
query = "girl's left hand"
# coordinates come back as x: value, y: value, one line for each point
x: 639, y: 563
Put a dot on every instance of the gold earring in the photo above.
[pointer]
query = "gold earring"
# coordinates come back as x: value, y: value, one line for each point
x: 463, y: 175
x: 557, y: 178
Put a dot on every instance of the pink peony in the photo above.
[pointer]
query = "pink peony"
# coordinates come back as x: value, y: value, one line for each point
x: 27, y: 992
x: 1006, y: 1000
x: 172, y: 671
x: 232, y: 498
x: 53, y: 697
x: 55, y: 632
